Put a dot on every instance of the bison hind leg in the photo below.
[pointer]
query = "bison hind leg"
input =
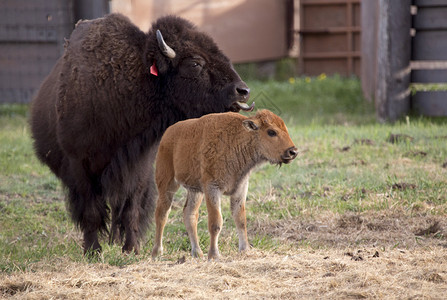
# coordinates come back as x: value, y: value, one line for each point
x: 90, y: 213
x: 116, y: 228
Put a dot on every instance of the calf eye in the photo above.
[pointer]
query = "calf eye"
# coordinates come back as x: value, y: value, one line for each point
x: 271, y: 132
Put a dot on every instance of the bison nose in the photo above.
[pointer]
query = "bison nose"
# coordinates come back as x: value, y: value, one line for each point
x: 243, y: 90
x: 291, y: 152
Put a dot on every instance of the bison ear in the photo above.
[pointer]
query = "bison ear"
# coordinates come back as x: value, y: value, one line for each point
x: 250, y: 125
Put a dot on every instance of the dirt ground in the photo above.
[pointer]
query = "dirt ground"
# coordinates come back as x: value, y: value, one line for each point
x: 393, y: 255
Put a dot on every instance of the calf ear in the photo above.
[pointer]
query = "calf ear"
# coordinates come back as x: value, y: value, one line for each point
x: 250, y: 125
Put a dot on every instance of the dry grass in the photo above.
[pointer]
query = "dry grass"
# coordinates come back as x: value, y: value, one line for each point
x: 384, y: 255
x: 356, y: 216
x: 336, y: 274
x: 386, y: 229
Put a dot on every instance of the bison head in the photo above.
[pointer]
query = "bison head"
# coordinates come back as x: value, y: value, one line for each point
x: 273, y: 141
x: 196, y: 77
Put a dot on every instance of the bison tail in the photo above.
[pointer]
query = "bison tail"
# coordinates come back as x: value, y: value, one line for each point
x: 88, y: 210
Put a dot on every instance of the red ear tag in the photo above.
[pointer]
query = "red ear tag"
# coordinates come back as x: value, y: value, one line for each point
x: 154, y: 70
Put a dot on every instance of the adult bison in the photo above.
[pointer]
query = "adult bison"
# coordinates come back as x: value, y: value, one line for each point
x: 99, y: 115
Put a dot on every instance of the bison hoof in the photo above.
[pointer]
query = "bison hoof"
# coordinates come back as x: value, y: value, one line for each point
x: 129, y: 250
x: 131, y: 246
x: 93, y: 252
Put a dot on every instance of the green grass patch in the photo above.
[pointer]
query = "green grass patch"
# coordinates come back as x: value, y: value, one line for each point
x: 347, y: 162
x: 307, y: 101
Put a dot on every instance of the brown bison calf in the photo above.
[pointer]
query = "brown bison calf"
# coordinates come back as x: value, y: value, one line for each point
x: 214, y: 155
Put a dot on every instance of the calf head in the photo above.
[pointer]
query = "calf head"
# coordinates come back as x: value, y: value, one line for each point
x: 273, y: 141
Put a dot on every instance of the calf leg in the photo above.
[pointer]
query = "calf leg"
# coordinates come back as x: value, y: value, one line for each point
x: 190, y: 217
x: 238, y: 212
x: 166, y: 192
x: 214, y: 221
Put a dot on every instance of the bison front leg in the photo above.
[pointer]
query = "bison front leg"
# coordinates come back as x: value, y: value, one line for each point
x: 238, y: 212
x: 214, y: 221
x: 190, y: 217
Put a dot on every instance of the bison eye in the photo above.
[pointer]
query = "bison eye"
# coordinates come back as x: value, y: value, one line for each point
x: 271, y: 132
x: 191, y: 67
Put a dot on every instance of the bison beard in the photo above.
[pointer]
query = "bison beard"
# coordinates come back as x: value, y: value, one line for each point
x: 99, y: 115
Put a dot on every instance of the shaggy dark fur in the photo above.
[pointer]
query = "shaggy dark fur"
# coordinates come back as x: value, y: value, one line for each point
x: 98, y: 117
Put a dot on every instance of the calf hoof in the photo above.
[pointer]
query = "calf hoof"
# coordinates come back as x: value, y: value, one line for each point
x: 213, y: 255
x: 157, y: 251
x: 244, y: 248
x: 196, y: 253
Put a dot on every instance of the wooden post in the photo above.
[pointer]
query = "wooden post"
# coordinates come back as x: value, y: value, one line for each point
x: 369, y: 10
x: 393, y: 59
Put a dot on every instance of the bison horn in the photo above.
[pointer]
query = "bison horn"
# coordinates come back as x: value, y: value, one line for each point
x: 167, y: 51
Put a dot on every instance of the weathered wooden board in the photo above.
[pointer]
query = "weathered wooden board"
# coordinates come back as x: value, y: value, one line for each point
x: 31, y: 40
x: 90, y: 9
x: 431, y: 18
x: 330, y: 37
x: 429, y: 76
x: 432, y: 104
x: 428, y: 3
x: 430, y: 45
x: 392, y: 97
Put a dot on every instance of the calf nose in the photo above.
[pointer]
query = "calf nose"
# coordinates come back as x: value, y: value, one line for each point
x: 291, y: 152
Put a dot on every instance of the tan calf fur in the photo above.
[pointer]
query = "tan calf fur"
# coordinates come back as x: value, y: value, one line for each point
x: 213, y: 156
